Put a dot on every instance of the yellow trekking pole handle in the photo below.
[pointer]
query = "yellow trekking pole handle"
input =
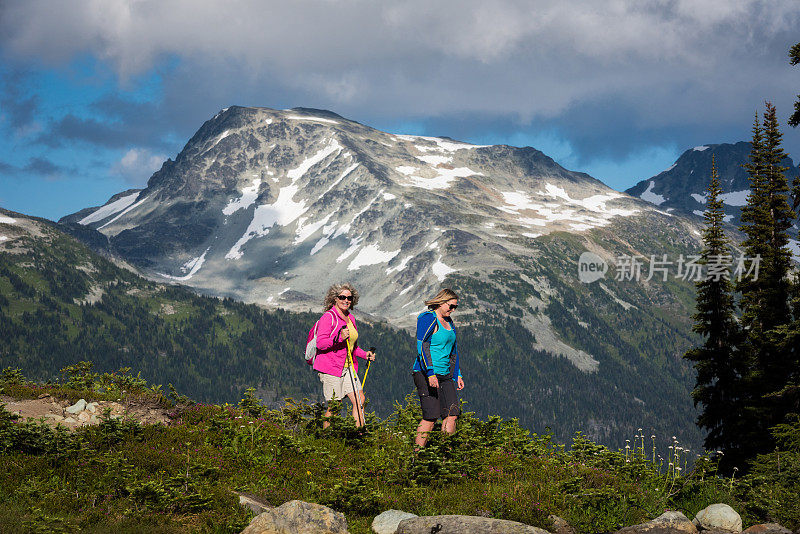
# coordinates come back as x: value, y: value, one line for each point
x: 369, y: 362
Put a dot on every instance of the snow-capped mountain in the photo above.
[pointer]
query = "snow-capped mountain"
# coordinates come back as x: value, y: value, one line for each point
x: 261, y: 202
x: 273, y: 206
x: 683, y: 186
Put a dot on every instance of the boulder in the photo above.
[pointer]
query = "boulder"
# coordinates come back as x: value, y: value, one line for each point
x: 560, y: 526
x: 718, y: 517
x: 387, y: 522
x: 84, y: 417
x: 670, y: 522
x: 252, y: 502
x: 91, y: 407
x: 767, y: 528
x: 298, y: 517
x: 459, y: 524
x: 77, y: 407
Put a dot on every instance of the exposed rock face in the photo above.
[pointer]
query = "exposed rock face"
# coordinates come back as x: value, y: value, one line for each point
x: 683, y: 186
x: 667, y: 523
x: 720, y: 517
x: 560, y: 526
x: 767, y: 528
x: 388, y: 521
x: 298, y: 517
x: 459, y: 524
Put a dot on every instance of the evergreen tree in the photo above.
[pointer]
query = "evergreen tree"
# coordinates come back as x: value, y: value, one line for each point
x: 794, y: 59
x: 765, y: 362
x: 718, y: 373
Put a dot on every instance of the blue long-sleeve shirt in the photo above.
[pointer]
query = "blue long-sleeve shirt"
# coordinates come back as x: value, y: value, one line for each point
x: 426, y: 325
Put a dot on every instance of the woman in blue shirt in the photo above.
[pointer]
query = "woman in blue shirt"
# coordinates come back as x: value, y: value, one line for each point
x: 436, y: 371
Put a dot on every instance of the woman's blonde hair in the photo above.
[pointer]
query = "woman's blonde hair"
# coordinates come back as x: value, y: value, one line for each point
x: 334, y: 290
x: 441, y: 297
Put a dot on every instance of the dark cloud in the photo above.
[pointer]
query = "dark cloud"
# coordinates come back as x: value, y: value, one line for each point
x: 19, y: 108
x: 7, y: 168
x: 38, y: 166
x: 611, y: 80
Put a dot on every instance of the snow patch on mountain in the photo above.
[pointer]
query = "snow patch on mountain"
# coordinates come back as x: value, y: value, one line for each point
x: 651, y: 197
x: 389, y: 196
x: 126, y: 210
x: 435, y: 160
x: 371, y: 255
x: 517, y: 202
x: 298, y: 172
x: 347, y: 171
x: 7, y: 220
x: 281, y: 212
x: 441, y: 144
x: 314, y: 119
x: 249, y: 195
x: 701, y: 148
x: 405, y: 169
x: 794, y: 247
x: 735, y: 198
x: 304, y: 231
x: 443, y: 177
x: 192, y: 266
x: 354, y: 244
x: 400, y: 266
x: 109, y: 209
x: 699, y: 198
x: 3, y: 238
x: 441, y: 270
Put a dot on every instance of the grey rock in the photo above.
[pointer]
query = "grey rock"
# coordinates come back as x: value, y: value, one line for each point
x: 77, y: 407
x: 459, y: 524
x: 70, y: 421
x: 91, y: 407
x: 670, y: 522
x: 387, y: 522
x: 719, y: 516
x: 54, y: 416
x: 253, y: 503
x: 298, y: 517
x: 767, y: 528
x: 94, y: 420
x: 560, y: 526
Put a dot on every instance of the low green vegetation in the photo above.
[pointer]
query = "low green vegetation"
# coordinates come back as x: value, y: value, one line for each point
x: 124, y: 477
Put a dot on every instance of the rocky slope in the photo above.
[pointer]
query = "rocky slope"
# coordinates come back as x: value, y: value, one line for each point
x: 683, y: 186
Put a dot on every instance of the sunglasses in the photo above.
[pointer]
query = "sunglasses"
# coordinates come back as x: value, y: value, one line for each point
x: 453, y: 306
x: 343, y: 297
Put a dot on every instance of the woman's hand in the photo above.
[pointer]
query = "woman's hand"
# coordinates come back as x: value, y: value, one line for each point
x: 460, y: 383
x: 433, y: 381
x: 371, y: 356
x: 344, y: 333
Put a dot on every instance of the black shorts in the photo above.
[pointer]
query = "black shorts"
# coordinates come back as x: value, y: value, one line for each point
x: 438, y: 402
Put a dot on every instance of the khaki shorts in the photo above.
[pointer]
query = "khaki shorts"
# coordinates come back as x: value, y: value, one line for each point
x: 339, y: 386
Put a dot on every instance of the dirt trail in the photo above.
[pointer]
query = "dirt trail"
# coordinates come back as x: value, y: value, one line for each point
x: 61, y: 412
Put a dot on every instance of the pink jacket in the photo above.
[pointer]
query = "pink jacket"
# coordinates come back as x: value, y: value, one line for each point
x: 332, y: 353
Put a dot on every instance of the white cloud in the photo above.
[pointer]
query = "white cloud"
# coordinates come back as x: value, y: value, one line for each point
x: 137, y: 165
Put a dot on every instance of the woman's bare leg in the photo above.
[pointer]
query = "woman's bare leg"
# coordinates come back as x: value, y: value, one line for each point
x: 423, y: 430
x: 358, y: 408
x: 327, y: 423
x: 449, y: 424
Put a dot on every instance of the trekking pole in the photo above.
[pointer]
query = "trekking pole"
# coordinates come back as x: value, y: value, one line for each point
x: 369, y: 362
x: 351, y: 371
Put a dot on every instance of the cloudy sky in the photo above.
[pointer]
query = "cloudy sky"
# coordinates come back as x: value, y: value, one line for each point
x: 95, y: 94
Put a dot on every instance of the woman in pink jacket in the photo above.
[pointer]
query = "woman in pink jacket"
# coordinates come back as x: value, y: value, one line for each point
x: 338, y: 350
